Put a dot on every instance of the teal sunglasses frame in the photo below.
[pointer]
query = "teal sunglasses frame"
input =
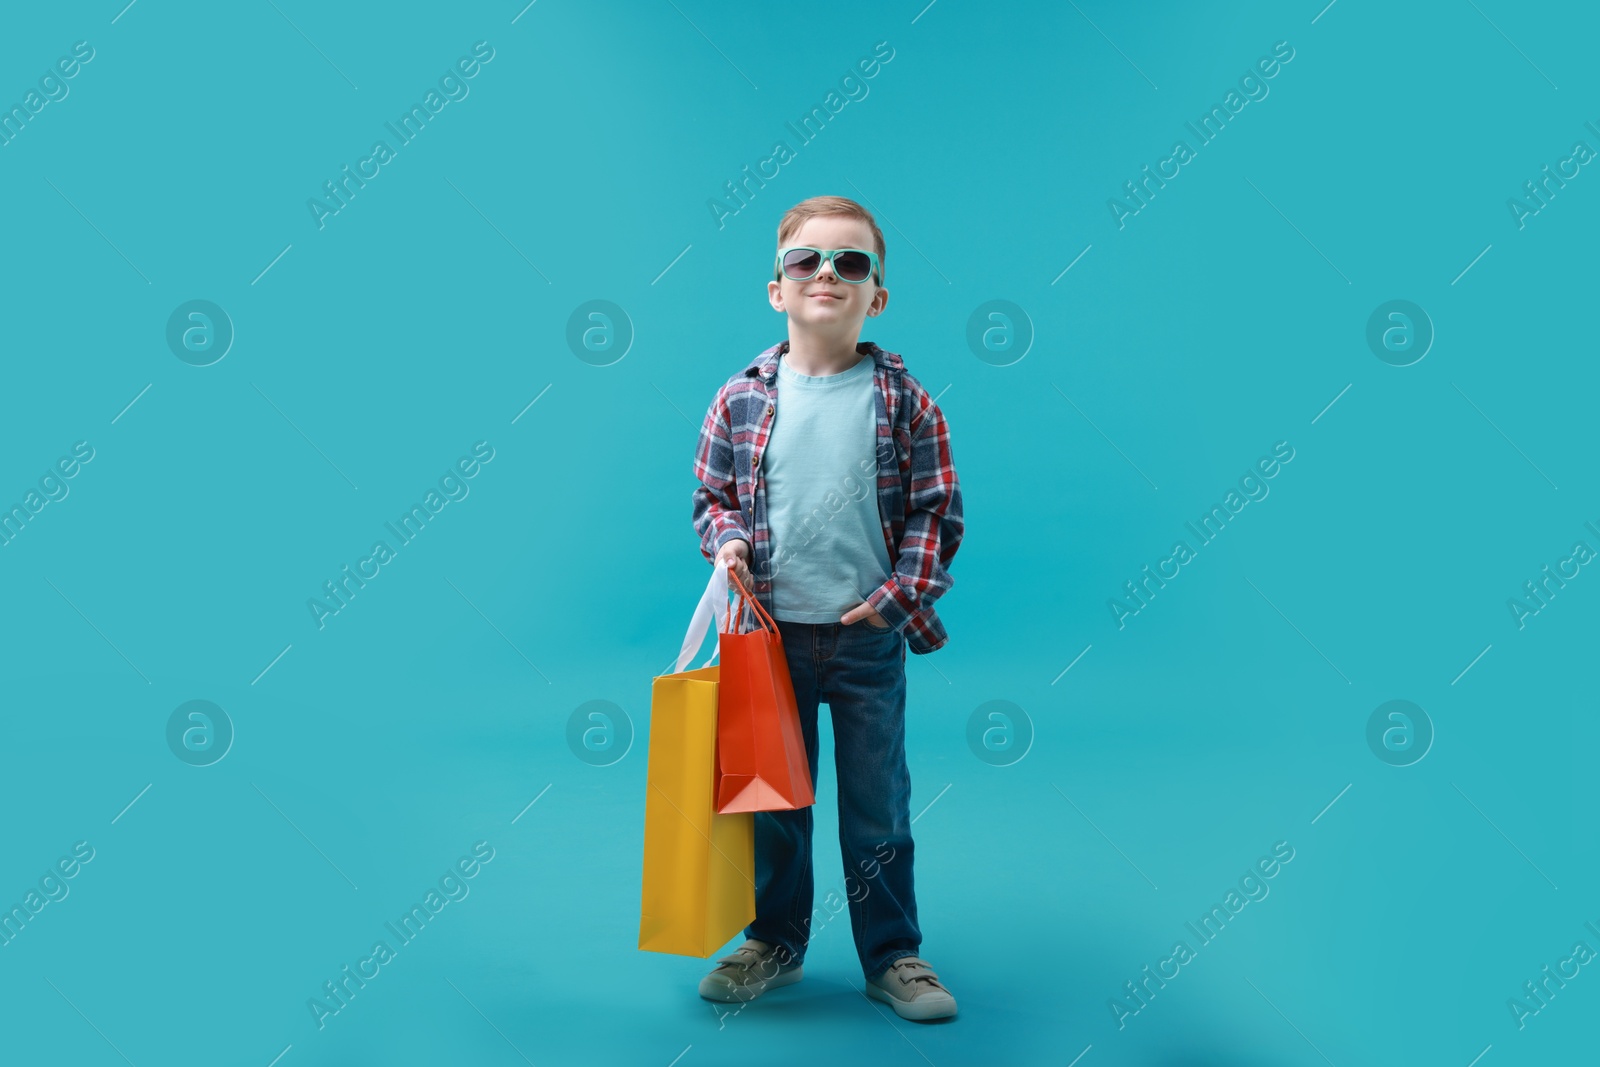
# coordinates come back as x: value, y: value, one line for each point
x: 827, y: 254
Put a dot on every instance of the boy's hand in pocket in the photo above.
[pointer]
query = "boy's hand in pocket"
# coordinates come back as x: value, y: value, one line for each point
x: 861, y: 611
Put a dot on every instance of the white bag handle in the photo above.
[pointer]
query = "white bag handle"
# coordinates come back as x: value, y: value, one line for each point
x: 713, y: 604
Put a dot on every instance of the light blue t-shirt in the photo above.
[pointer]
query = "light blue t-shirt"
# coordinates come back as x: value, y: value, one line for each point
x: 821, y: 474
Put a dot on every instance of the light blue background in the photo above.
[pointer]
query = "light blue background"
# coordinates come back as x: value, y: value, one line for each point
x: 428, y: 714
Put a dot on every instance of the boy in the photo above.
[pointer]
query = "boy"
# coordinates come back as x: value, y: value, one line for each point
x: 840, y: 510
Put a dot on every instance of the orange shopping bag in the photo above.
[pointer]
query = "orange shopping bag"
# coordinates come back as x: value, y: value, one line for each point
x: 761, y: 753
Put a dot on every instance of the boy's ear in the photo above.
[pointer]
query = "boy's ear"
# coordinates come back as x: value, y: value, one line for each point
x: 880, y: 300
x: 775, y: 296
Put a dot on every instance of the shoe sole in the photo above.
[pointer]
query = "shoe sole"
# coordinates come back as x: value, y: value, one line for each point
x: 744, y: 994
x: 912, y: 1010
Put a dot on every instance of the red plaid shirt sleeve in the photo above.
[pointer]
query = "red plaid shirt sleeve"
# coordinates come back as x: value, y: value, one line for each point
x: 717, y: 518
x: 933, y: 522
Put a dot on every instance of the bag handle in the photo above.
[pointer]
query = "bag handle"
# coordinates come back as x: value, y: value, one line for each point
x: 713, y: 602
x: 763, y: 620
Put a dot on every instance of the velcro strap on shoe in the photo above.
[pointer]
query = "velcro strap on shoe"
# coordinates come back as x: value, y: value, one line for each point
x: 911, y: 971
x: 764, y: 966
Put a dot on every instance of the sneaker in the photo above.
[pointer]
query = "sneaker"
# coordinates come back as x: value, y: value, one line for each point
x: 748, y: 972
x: 912, y: 988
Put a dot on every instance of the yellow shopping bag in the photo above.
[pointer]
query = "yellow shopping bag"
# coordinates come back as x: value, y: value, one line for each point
x: 699, y: 867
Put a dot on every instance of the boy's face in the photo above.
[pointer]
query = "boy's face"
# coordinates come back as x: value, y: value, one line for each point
x: 825, y: 305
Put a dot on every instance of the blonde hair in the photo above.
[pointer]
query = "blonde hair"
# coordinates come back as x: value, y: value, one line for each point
x: 797, y: 216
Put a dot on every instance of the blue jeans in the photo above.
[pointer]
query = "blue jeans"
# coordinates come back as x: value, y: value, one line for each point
x: 859, y: 672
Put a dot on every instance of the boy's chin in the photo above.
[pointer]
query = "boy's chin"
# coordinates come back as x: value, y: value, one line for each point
x: 829, y: 320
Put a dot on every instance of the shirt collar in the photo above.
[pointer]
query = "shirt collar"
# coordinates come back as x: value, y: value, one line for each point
x: 765, y: 366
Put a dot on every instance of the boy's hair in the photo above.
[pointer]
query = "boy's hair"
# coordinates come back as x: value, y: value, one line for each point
x: 796, y: 217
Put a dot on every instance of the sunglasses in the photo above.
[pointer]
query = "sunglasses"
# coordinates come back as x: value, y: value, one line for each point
x: 853, y: 265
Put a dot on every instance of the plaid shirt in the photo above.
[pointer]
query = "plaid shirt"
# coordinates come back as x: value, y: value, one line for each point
x: 919, y: 498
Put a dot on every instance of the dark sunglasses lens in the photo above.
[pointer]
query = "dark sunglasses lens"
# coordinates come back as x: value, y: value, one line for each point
x: 853, y: 266
x: 801, y: 263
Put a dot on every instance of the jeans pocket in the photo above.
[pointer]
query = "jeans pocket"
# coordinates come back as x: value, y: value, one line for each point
x: 877, y: 629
